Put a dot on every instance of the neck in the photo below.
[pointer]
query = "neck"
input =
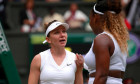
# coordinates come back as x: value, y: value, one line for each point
x: 98, y: 32
x: 58, y: 51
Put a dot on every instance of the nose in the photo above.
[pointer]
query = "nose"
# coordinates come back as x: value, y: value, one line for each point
x: 61, y: 33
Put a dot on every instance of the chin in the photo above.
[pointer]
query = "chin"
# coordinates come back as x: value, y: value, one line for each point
x: 62, y: 45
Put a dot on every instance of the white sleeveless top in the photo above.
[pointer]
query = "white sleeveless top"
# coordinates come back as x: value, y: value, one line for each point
x: 117, y: 60
x: 51, y: 73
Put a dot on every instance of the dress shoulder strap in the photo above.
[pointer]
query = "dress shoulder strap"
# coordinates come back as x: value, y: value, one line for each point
x: 107, y: 33
x: 44, y: 58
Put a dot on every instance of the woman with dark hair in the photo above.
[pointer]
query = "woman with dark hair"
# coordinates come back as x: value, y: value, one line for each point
x: 106, y: 59
x: 56, y: 65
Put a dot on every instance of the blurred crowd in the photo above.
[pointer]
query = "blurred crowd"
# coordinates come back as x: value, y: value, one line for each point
x: 76, y: 18
x: 30, y: 23
x: 51, y: 0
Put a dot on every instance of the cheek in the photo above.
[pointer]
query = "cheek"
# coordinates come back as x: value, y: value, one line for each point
x: 66, y: 35
x: 53, y: 39
x: 91, y: 23
x: 66, y: 38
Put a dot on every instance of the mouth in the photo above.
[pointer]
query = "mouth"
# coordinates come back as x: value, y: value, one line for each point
x: 62, y: 40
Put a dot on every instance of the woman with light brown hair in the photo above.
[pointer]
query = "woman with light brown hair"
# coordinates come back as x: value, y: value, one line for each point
x: 56, y: 65
x: 106, y: 59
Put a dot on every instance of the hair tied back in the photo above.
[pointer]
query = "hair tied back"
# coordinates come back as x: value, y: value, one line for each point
x: 114, y: 6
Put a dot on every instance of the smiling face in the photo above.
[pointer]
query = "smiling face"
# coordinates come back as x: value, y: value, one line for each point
x: 58, y: 37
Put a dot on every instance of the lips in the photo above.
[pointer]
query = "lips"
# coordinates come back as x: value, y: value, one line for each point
x: 62, y: 40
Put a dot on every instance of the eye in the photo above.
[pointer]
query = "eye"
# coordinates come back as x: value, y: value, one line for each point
x: 56, y: 32
x: 64, y: 31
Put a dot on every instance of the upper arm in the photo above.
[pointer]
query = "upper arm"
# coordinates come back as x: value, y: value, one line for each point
x: 35, y: 70
x: 102, y: 55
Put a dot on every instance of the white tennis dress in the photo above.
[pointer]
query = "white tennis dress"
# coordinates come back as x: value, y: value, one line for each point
x: 51, y: 73
x: 117, y: 62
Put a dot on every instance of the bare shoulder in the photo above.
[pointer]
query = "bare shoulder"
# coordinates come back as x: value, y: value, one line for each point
x: 102, y: 39
x: 36, y: 62
x: 37, y: 56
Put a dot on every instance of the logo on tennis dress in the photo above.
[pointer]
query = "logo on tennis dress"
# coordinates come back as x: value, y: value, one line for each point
x: 69, y: 64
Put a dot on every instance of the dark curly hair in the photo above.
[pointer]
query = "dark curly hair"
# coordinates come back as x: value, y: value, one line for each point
x: 109, y: 5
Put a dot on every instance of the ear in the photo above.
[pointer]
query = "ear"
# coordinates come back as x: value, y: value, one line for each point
x: 48, y: 39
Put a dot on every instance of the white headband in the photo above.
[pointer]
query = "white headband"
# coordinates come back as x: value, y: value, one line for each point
x: 54, y: 26
x: 98, y: 12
